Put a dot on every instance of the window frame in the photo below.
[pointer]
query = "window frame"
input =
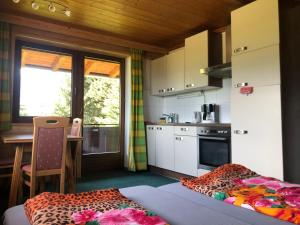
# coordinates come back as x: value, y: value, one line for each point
x: 77, y: 79
x: 19, y: 45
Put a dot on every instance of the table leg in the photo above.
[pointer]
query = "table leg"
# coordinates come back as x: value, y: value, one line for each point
x: 15, y: 176
x: 71, y: 178
x: 78, y: 159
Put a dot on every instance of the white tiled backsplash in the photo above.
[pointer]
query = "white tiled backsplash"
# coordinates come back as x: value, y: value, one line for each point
x: 185, y: 104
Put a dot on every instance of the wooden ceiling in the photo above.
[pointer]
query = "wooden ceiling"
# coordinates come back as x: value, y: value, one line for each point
x: 58, y: 62
x: 163, y: 23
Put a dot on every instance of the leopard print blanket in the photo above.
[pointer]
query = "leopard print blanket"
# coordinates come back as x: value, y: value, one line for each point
x: 58, y: 209
x: 219, y: 180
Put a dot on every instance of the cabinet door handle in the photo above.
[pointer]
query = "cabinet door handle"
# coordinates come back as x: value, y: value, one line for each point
x: 240, y: 49
x: 159, y: 128
x: 238, y: 85
x: 162, y: 91
x: 178, y: 138
x: 240, y: 132
x: 184, y: 129
x: 170, y: 89
x: 189, y: 85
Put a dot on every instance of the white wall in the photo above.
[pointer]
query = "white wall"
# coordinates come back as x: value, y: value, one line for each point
x: 184, y: 104
x: 153, y: 106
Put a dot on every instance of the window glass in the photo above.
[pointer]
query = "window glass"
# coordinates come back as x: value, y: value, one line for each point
x: 101, y: 106
x: 45, y: 83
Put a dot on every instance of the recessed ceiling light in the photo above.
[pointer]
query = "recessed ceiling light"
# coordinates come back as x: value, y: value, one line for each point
x: 16, y: 1
x: 67, y: 12
x: 51, y: 7
x: 34, y: 5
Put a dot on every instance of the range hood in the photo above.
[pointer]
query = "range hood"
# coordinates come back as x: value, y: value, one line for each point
x: 219, y: 55
x: 218, y: 71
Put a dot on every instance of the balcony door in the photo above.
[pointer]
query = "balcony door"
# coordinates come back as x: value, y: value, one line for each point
x: 102, y: 114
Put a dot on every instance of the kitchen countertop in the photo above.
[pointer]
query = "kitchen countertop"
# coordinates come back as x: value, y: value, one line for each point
x: 191, y: 124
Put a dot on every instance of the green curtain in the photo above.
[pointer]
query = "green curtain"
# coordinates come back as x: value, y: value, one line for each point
x: 137, y: 155
x: 5, y: 106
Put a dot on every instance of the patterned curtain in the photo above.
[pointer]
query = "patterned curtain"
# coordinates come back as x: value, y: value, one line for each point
x: 137, y: 156
x: 5, y: 108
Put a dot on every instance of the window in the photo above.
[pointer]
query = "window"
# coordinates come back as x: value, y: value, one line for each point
x: 51, y: 81
x: 45, y: 83
x: 42, y: 82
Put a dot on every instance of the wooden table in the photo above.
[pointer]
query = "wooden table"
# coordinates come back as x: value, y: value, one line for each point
x: 20, y: 141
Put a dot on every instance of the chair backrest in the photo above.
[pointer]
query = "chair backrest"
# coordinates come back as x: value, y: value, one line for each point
x: 76, y: 127
x: 49, y: 143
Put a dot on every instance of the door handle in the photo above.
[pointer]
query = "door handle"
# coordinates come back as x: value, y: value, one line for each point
x: 213, y: 138
x: 240, y: 49
x: 189, y: 85
x: 238, y: 85
x: 184, y: 129
x: 179, y: 138
x: 240, y: 132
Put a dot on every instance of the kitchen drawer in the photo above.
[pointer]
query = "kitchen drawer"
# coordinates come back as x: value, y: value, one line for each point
x: 186, y: 130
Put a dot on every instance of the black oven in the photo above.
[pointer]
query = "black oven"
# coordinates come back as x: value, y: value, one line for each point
x: 214, y: 147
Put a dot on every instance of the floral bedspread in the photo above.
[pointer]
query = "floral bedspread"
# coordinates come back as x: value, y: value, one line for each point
x: 265, y: 195
x: 103, y: 207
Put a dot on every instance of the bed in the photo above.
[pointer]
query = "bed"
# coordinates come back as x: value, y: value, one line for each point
x: 178, y: 206
x: 245, y: 215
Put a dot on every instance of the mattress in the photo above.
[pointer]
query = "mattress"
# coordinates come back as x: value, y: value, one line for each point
x: 246, y: 215
x: 173, y: 208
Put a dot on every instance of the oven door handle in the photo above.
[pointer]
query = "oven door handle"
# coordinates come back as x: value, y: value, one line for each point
x: 213, y: 138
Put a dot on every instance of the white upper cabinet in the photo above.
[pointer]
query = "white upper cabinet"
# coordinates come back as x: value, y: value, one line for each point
x: 255, y: 26
x: 175, y: 71
x: 167, y: 73
x: 257, y: 68
x: 196, y: 58
x: 158, y: 75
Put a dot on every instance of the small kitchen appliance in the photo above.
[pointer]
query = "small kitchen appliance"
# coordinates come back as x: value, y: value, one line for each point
x: 209, y: 113
x: 197, y: 117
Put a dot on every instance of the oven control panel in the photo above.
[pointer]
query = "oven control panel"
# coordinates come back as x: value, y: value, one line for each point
x: 219, y: 131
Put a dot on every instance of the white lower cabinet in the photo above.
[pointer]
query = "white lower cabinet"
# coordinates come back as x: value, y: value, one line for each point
x: 186, y: 156
x: 151, y: 142
x: 165, y: 147
x: 173, y: 148
x: 256, y: 130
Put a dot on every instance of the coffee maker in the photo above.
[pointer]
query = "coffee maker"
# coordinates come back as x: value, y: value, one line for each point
x: 209, y: 113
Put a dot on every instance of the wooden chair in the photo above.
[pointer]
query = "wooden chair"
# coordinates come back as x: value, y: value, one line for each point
x: 48, y: 151
x: 76, y: 130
